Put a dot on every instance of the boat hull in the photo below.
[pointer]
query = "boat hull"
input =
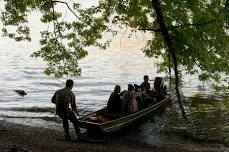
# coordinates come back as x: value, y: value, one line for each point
x: 124, y: 121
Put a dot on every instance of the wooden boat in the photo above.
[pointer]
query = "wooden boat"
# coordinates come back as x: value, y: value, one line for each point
x: 113, y: 123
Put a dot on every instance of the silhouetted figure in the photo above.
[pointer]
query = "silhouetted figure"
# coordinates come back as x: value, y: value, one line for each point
x: 146, y: 85
x: 21, y: 92
x: 148, y: 96
x: 114, y: 102
x: 160, y: 89
x: 139, y: 99
x: 62, y: 98
x: 129, y: 102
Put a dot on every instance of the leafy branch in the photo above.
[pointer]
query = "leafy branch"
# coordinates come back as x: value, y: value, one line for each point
x: 56, y: 1
x: 178, y: 26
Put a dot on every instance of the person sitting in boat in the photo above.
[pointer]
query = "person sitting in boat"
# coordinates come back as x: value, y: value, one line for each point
x: 160, y: 89
x: 114, y: 102
x: 129, y: 103
x: 139, y: 99
x: 146, y: 85
x: 148, y: 97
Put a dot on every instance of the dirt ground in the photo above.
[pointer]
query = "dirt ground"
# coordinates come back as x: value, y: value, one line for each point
x: 49, y: 140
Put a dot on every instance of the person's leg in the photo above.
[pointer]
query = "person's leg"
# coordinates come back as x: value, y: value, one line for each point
x: 65, y: 125
x: 73, y: 119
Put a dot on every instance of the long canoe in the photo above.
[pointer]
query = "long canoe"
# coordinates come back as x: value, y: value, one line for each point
x: 119, y: 122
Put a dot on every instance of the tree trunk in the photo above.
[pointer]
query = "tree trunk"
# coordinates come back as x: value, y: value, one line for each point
x: 168, y: 41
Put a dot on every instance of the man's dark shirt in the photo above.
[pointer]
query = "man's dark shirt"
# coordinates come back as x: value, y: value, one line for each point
x: 62, y: 98
x: 145, y: 87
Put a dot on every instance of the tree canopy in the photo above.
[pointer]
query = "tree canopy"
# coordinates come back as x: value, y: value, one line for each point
x: 63, y: 45
x: 198, y: 30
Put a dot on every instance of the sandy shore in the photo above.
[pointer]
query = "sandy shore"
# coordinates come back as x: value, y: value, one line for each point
x: 47, y: 140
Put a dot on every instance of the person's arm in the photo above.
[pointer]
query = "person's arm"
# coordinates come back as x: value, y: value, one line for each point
x: 138, y: 93
x: 146, y: 95
x: 73, y: 104
x: 54, y: 98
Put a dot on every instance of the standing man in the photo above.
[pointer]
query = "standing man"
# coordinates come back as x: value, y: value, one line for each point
x: 62, y: 98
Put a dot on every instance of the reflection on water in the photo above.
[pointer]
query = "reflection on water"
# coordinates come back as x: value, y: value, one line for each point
x: 209, y: 118
x: 208, y: 121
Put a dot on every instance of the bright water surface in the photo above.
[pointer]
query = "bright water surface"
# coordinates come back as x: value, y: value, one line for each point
x: 102, y: 69
x: 121, y: 64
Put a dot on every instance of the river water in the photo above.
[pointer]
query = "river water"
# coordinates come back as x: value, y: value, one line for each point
x: 122, y: 63
x: 102, y: 69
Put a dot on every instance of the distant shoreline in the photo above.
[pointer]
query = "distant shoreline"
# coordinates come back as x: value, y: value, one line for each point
x: 38, y: 139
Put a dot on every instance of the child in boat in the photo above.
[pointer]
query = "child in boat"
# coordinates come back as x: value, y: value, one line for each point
x: 114, y: 102
x: 129, y: 102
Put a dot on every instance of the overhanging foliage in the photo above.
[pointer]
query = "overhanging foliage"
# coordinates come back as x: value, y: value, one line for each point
x: 199, y: 30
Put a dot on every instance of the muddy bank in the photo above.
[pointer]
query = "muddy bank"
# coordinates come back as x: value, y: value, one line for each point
x: 46, y: 140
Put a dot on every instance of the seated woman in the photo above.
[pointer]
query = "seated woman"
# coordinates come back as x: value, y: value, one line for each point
x: 114, y: 102
x: 139, y: 99
x: 160, y: 89
x: 129, y: 103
